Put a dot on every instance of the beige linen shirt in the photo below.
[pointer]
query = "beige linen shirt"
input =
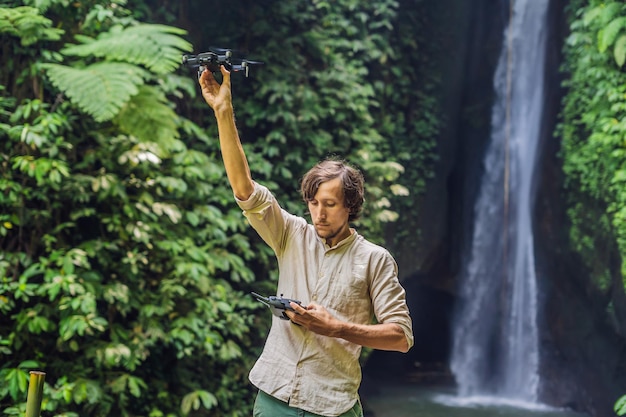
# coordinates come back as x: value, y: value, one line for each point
x: 355, y: 280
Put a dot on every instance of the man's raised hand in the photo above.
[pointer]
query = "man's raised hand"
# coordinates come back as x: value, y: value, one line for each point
x: 217, y: 95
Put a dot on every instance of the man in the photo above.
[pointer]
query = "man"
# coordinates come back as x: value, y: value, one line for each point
x: 310, y: 364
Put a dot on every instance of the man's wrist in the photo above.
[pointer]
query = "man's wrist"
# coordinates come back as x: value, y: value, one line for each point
x: 340, y: 329
x: 224, y: 111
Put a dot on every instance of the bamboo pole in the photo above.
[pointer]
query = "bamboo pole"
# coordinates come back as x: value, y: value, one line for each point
x: 35, y: 393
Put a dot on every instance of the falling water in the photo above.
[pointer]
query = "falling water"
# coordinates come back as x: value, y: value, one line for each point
x: 495, y: 352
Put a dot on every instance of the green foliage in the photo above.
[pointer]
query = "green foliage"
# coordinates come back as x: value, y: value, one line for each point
x: 156, y: 47
x: 410, y: 121
x: 28, y: 25
x: 337, y: 94
x: 99, y: 89
x: 609, y: 19
x: 125, y: 264
x: 620, y: 406
x: 593, y: 132
x: 123, y: 269
x: 148, y: 117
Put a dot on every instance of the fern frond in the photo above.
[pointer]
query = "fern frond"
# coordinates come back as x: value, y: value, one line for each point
x: 148, y: 117
x: 100, y: 89
x: 27, y: 24
x: 158, y: 47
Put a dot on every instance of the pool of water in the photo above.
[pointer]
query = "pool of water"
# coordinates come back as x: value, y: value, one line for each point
x: 414, y: 401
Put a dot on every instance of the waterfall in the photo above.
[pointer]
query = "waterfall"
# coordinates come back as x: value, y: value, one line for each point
x: 495, y: 350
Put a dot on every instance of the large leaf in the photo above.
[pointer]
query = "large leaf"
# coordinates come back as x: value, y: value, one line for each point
x: 606, y: 36
x: 620, y: 50
x: 100, y: 89
x: 158, y: 47
x: 148, y: 117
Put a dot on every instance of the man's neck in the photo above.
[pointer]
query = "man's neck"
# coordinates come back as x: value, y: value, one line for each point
x: 334, y: 241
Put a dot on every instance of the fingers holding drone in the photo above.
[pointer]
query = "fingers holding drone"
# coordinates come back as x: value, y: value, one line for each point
x: 215, y: 94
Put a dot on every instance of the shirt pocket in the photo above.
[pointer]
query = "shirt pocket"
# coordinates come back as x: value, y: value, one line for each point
x: 349, y: 295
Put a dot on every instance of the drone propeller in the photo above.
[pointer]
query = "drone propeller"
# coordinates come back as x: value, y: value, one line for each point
x: 253, y: 62
x: 244, y: 65
x: 220, y: 50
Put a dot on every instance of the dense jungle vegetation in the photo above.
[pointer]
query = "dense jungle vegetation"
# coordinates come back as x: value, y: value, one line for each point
x: 125, y: 266
x: 593, y: 140
x: 592, y: 133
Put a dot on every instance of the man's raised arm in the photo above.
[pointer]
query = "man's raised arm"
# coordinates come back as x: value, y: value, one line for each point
x: 219, y: 97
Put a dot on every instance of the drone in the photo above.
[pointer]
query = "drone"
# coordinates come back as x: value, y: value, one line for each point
x: 216, y: 57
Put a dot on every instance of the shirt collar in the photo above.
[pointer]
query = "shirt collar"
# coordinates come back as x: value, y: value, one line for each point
x: 347, y: 241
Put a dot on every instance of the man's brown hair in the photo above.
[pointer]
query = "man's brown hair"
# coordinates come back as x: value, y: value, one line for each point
x: 351, y: 179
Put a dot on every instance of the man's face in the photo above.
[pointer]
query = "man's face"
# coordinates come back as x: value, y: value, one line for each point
x: 328, y: 212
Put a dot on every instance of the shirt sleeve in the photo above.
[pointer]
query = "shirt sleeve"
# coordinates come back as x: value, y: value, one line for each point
x: 389, y: 297
x: 265, y: 216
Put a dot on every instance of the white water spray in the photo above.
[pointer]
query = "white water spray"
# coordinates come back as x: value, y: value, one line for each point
x: 495, y: 351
